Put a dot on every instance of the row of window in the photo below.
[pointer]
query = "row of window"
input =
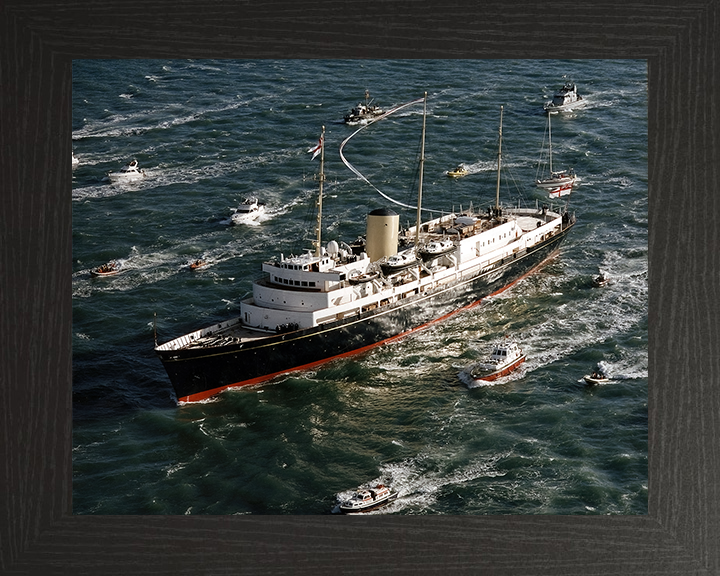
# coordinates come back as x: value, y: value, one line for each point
x: 301, y: 283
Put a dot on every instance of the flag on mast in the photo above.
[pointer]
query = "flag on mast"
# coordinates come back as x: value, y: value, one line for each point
x: 316, y: 150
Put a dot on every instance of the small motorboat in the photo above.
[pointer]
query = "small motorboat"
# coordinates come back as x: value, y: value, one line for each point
x: 197, y: 264
x: 363, y: 112
x: 506, y: 357
x: 109, y: 269
x: 598, y: 376
x: 75, y: 161
x: 436, y: 248
x: 368, y: 499
x: 458, y: 172
x: 399, y: 262
x: 567, y: 98
x: 248, y: 211
x: 128, y: 173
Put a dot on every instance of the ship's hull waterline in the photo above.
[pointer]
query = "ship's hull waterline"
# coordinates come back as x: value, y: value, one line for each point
x: 198, y: 373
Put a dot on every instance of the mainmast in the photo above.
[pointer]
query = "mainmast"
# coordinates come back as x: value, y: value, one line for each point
x: 321, y: 178
x: 497, y: 190
x: 422, y: 162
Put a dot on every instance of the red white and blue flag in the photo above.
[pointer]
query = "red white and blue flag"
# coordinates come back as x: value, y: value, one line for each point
x: 316, y: 150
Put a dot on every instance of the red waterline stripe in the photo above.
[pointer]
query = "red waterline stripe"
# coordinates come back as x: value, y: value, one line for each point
x: 208, y: 393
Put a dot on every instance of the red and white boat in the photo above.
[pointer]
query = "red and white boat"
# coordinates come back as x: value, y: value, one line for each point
x: 368, y: 499
x: 558, y: 182
x: 506, y: 357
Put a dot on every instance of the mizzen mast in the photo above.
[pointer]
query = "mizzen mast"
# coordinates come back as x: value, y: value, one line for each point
x: 497, y: 189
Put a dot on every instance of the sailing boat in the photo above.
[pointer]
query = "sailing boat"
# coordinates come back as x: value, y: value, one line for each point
x: 559, y: 183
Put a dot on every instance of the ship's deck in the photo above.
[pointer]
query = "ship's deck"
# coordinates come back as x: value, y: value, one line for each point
x: 233, y: 332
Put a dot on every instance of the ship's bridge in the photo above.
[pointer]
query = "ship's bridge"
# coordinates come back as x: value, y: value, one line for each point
x: 309, y: 272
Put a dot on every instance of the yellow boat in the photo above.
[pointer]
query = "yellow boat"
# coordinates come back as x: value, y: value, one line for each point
x: 458, y: 172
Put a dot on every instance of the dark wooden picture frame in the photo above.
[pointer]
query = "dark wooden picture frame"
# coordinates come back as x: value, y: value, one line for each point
x: 39, y: 534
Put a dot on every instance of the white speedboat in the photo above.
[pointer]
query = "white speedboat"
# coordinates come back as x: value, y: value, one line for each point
x: 558, y: 183
x: 128, y: 173
x: 363, y: 112
x: 368, y: 499
x: 248, y: 211
x: 567, y: 98
x: 506, y: 357
x: 75, y: 161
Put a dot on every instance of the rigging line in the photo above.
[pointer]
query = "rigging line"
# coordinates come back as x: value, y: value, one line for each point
x: 357, y: 172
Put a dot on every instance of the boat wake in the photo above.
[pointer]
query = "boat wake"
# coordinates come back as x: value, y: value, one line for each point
x: 420, y: 480
x: 140, y: 268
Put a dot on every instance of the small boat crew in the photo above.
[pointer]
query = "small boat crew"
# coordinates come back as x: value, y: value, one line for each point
x: 109, y: 269
x: 506, y: 357
x: 369, y: 499
x: 248, y: 211
x: 128, y: 173
x: 458, y: 172
x: 597, y: 377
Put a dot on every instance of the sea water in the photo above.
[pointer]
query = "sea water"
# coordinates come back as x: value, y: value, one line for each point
x: 207, y: 134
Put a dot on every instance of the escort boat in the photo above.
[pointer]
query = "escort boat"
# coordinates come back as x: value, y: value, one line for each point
x: 249, y: 211
x: 109, y: 269
x: 369, y: 499
x: 197, y: 264
x: 363, y: 112
x: 506, y: 357
x: 309, y: 309
x: 458, y: 172
x: 598, y: 376
x: 128, y: 173
x: 565, y: 99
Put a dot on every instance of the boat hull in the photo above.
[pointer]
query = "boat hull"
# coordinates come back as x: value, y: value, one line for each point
x: 198, y: 373
x: 490, y: 377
